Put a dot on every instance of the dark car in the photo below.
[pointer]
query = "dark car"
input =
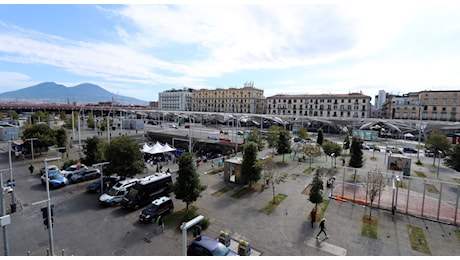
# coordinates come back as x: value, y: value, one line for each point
x: 108, y: 181
x: 208, y: 246
x: 160, y: 206
x: 409, y: 150
x: 86, y: 174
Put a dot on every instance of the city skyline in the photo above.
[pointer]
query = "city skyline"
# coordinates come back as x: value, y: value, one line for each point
x: 141, y: 50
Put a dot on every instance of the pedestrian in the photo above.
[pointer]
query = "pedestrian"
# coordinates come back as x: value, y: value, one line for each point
x: 212, y: 164
x: 313, y: 216
x: 343, y: 161
x: 31, y: 169
x: 160, y: 223
x: 322, y: 227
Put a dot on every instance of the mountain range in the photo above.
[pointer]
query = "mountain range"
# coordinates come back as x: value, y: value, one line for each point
x: 50, y: 92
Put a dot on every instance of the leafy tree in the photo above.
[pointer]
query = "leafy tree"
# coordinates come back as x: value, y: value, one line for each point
x: 316, y: 191
x: 45, y: 135
x: 373, y: 185
x: 346, y: 142
x: 39, y: 116
x: 63, y: 115
x: 273, y: 136
x: 249, y: 170
x: 187, y: 186
x: 256, y: 137
x: 284, y: 142
x: 13, y: 114
x: 452, y: 159
x: 125, y: 157
x: 61, y: 137
x: 302, y: 133
x: 271, y: 173
x: 68, y: 120
x: 320, y: 137
x: 332, y: 148
x: 437, y: 142
x: 356, y: 159
x: 94, y: 151
x: 311, y: 150
x: 91, y: 123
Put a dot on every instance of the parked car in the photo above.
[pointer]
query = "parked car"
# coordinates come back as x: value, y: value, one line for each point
x: 240, y: 133
x: 117, y: 192
x: 51, y: 168
x: 366, y: 147
x: 158, y: 207
x: 395, y: 150
x: 108, y: 182
x: 208, y: 246
x: 225, y: 139
x: 173, y: 126
x: 86, y: 174
x: 429, y: 153
x: 187, y: 126
x: 410, y: 150
x: 211, y: 137
x: 73, y: 169
x: 55, y: 180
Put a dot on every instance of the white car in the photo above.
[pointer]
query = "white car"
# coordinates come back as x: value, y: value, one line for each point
x: 51, y: 168
x: 115, y: 195
x: 73, y: 169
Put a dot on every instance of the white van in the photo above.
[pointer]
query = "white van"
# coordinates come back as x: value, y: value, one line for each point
x: 117, y: 192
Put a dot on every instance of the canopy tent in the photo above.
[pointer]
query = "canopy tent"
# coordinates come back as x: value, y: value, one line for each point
x: 408, y: 135
x: 157, y: 148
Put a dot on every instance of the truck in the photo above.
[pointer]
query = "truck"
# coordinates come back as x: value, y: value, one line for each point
x: 147, y: 189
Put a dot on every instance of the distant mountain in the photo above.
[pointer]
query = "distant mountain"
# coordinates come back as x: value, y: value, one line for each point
x: 50, y: 92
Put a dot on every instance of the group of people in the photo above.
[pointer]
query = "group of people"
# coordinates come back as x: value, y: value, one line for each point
x: 322, y: 223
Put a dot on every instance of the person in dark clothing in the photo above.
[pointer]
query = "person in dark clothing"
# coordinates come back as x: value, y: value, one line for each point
x: 313, y: 216
x: 31, y: 169
x: 322, y: 227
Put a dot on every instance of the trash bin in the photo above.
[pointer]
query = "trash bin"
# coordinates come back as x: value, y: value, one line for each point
x: 244, y: 249
x: 224, y: 238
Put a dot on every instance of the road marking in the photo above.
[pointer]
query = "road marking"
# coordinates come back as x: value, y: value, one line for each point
x: 326, y: 247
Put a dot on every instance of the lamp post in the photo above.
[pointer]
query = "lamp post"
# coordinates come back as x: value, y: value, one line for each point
x: 102, y: 173
x: 419, y: 132
x: 5, y: 231
x: 439, y: 162
x: 50, y: 217
x: 332, y: 160
x: 12, y: 182
x: 32, y: 147
x: 59, y: 154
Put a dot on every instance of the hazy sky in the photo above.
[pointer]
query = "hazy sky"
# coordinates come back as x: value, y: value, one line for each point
x: 140, y: 50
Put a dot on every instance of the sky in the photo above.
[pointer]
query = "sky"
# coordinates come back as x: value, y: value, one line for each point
x: 305, y: 47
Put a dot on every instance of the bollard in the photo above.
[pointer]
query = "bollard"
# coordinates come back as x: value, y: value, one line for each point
x: 28, y: 253
x: 62, y: 253
x: 47, y: 251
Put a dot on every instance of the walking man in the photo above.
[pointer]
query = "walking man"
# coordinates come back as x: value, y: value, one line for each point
x: 160, y: 223
x: 313, y: 216
x: 322, y: 227
x: 31, y: 169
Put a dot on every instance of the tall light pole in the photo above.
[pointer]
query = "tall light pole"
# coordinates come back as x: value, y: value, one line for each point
x: 439, y: 162
x: 12, y: 182
x: 419, y: 131
x: 32, y: 147
x: 332, y: 160
x: 50, y: 218
x: 5, y: 231
x: 59, y: 154
x: 102, y: 173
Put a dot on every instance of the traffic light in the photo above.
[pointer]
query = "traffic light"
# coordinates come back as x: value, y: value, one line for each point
x: 45, y: 216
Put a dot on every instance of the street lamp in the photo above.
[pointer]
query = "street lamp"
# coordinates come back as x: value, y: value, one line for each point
x: 32, y: 147
x: 50, y: 218
x: 12, y: 182
x: 332, y: 160
x: 102, y: 173
x: 439, y: 162
x: 5, y: 231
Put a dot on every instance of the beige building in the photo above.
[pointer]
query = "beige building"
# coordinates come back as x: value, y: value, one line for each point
x: 430, y: 105
x: 353, y: 105
x: 232, y: 100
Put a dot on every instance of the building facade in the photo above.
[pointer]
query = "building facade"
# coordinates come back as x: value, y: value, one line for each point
x: 175, y: 100
x: 353, y: 105
x: 233, y: 100
x: 425, y: 105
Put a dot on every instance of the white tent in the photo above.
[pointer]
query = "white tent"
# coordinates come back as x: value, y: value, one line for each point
x: 168, y: 148
x: 408, y: 135
x: 157, y: 148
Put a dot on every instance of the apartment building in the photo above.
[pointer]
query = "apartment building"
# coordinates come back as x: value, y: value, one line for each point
x: 352, y: 105
x: 176, y: 100
x: 439, y: 105
x: 248, y: 100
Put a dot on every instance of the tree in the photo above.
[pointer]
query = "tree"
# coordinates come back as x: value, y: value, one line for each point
x: 316, y: 191
x: 273, y: 136
x: 256, y: 137
x: 373, y: 185
x: 13, y: 114
x: 90, y: 122
x: 94, y: 150
x: 271, y: 173
x: 302, y: 133
x: 46, y: 136
x: 320, y: 137
x: 61, y: 137
x: 452, y: 159
x: 330, y: 148
x: 249, y: 170
x: 311, y: 150
x: 187, y: 186
x: 125, y: 157
x: 437, y: 142
x: 356, y: 159
x: 284, y: 143
x: 39, y: 116
x: 346, y: 142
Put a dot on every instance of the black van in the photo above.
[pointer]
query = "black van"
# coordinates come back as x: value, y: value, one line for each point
x: 147, y: 189
x: 158, y: 207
